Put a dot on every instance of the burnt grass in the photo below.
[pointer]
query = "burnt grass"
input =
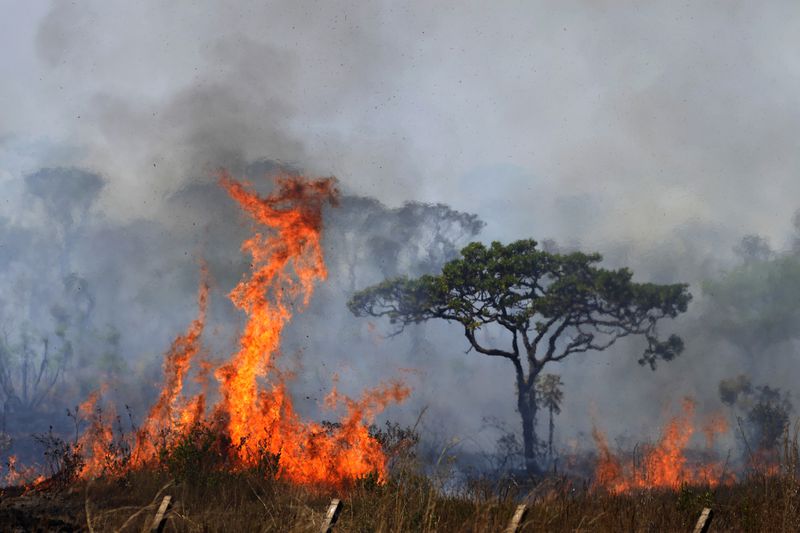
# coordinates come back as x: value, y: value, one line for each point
x: 249, y: 501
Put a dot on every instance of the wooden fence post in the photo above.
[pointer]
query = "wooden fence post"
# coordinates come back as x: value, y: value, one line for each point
x: 331, y: 516
x: 516, y: 520
x: 161, y: 515
x: 704, y: 522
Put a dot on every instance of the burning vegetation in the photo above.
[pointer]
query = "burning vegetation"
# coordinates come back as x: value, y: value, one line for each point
x: 233, y: 416
x: 252, y: 423
x: 239, y: 412
x: 664, y: 464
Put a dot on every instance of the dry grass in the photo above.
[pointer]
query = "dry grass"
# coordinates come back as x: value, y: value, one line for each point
x: 246, y: 502
x: 206, y: 501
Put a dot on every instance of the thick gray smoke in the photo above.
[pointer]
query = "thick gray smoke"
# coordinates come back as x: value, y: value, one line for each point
x: 658, y: 135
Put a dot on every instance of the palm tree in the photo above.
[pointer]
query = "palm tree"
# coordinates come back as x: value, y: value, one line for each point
x: 548, y: 388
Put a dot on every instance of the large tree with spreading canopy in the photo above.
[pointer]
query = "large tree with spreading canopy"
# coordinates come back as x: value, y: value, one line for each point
x: 550, y: 306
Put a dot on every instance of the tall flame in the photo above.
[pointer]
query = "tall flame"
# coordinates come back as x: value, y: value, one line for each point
x: 254, y: 410
x: 294, y: 213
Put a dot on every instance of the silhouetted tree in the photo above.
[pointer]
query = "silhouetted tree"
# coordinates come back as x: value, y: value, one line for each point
x: 549, y: 305
x: 67, y: 195
x: 548, y: 387
x: 29, y: 372
x: 373, y: 241
x: 753, y: 248
x: 764, y: 409
x: 49, y: 318
x: 754, y: 306
x: 796, y: 235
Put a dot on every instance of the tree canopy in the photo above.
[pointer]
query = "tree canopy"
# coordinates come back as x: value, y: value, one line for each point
x: 538, y: 297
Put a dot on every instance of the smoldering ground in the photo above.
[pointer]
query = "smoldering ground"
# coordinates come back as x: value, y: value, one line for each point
x: 660, y: 150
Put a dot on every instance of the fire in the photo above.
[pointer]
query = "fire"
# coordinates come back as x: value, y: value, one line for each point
x: 97, y: 442
x: 664, y: 464
x: 167, y: 412
x: 295, y: 215
x: 254, y: 410
x: 28, y: 477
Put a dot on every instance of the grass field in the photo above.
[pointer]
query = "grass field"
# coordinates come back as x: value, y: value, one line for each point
x: 208, y: 495
x: 247, y: 501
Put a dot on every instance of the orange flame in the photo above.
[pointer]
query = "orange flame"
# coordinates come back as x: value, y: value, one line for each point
x: 663, y: 465
x: 255, y: 410
x: 27, y: 477
x: 165, y: 412
x: 295, y: 213
x: 97, y: 442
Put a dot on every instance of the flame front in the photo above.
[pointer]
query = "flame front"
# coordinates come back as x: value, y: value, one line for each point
x: 254, y: 410
x: 663, y: 465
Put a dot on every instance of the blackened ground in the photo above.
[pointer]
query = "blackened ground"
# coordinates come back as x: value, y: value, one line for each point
x: 38, y: 511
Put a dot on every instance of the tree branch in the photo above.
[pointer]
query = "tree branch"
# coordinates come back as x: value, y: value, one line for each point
x: 470, y: 334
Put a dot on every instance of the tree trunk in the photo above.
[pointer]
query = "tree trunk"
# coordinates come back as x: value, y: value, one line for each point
x: 550, y: 436
x: 526, y: 403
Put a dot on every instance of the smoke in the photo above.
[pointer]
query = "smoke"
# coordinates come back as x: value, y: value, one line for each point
x: 658, y: 135
x: 580, y: 133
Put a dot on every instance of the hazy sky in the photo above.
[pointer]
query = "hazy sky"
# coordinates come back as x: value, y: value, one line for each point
x: 586, y: 120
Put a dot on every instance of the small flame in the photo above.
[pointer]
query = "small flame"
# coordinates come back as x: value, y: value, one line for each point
x: 28, y: 477
x: 97, y: 442
x: 663, y: 465
x: 168, y: 411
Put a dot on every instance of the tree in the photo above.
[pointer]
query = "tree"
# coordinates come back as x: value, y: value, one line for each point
x: 548, y: 387
x: 548, y: 305
x: 754, y: 306
x: 766, y: 411
x: 373, y: 241
x: 34, y: 357
x: 47, y: 316
x: 753, y: 248
x: 67, y: 195
x: 796, y: 236
x: 29, y: 372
